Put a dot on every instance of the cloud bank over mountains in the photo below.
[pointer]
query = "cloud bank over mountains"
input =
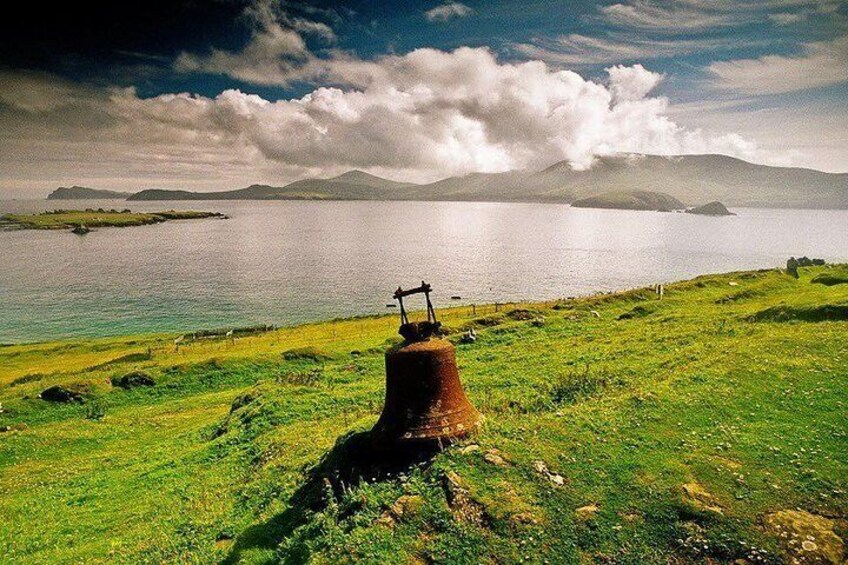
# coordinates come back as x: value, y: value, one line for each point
x: 418, y: 116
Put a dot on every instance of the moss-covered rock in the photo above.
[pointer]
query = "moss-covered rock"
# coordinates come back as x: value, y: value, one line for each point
x: 133, y: 379
x: 61, y: 394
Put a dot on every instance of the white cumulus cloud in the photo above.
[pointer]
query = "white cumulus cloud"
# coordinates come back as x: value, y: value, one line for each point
x: 419, y: 116
x: 631, y: 83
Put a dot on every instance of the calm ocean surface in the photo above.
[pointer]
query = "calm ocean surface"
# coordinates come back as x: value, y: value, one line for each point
x: 290, y: 262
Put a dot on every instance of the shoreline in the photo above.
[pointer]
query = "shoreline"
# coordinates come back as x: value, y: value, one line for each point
x: 457, y: 307
x: 459, y: 311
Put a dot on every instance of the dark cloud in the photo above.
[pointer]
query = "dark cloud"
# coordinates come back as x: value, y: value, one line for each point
x: 45, y: 35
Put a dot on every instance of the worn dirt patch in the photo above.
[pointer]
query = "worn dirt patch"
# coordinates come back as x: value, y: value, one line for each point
x: 806, y: 537
x: 695, y: 497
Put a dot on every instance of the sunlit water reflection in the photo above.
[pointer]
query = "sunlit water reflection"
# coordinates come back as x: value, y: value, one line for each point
x: 289, y: 262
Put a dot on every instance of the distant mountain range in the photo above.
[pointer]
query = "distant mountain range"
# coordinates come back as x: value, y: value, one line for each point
x: 83, y: 193
x: 692, y: 179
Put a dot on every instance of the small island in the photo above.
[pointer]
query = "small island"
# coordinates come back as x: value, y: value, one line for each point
x: 715, y: 208
x: 81, y: 221
x: 631, y: 200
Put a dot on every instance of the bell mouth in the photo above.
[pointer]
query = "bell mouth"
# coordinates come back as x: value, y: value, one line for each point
x: 444, y: 429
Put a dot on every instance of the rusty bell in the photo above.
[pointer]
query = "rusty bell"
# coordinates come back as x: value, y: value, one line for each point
x: 425, y: 401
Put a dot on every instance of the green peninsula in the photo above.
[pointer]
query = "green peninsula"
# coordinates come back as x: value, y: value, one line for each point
x: 100, y: 218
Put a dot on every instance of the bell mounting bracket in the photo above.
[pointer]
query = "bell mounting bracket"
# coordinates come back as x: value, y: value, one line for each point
x: 416, y: 331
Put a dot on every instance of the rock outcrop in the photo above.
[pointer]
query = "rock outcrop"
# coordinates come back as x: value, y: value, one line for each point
x: 134, y: 379
x: 715, y: 208
x: 61, y: 394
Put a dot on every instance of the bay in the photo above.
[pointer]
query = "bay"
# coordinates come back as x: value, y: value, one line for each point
x: 286, y: 262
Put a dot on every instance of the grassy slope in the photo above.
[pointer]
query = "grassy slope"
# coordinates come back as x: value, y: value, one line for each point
x: 96, y: 219
x: 687, y: 389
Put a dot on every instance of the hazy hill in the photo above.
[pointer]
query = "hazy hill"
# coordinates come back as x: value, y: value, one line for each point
x: 253, y: 192
x: 83, y: 193
x: 697, y: 179
x: 692, y: 179
x: 353, y: 185
x: 631, y: 200
x: 496, y: 187
x: 365, y: 179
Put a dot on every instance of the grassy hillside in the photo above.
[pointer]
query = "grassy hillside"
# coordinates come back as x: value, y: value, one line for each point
x: 619, y: 429
x: 62, y: 219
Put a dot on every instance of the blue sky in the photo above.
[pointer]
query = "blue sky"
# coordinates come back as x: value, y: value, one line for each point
x: 763, y: 80
x: 681, y: 41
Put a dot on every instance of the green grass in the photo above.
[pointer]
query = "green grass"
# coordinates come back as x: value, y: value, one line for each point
x: 832, y: 276
x: 63, y: 219
x: 224, y: 459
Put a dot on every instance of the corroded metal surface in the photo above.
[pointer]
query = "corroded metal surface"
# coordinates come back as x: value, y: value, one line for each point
x: 424, y: 397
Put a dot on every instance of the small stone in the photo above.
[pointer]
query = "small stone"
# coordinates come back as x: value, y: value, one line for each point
x: 463, y: 506
x: 407, y: 506
x: 558, y: 480
x: 542, y: 468
x: 524, y: 518
x: 586, y: 513
x: 807, y: 545
x: 493, y: 456
x: 469, y: 449
x: 695, y: 496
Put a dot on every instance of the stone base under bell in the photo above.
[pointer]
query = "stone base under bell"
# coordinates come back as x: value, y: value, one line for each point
x: 425, y: 401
